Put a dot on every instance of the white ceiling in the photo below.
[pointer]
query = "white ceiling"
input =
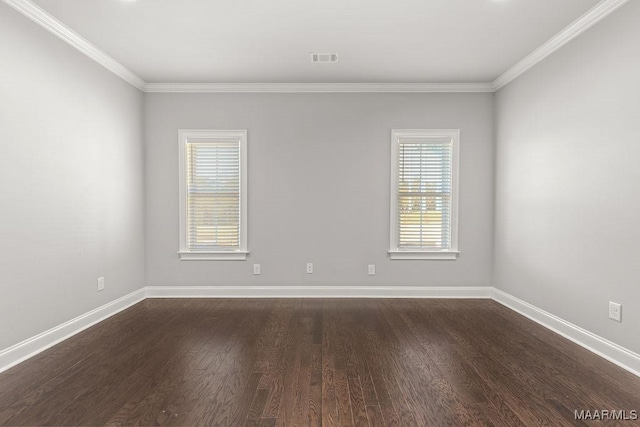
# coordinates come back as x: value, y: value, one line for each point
x: 269, y: 41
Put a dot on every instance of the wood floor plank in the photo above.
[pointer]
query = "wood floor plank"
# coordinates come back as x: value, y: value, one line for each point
x: 267, y: 422
x: 315, y: 362
x: 257, y: 407
x: 283, y: 362
x: 374, y: 415
x: 358, y: 409
x: 303, y: 382
x: 329, y: 400
x: 355, y: 320
x: 295, y: 405
x: 345, y: 415
x: 314, y: 417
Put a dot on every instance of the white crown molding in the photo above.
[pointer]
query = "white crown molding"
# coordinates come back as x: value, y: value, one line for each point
x: 577, y: 27
x: 613, y: 352
x: 317, y: 87
x: 44, y: 19
x: 48, y: 22
x: 317, y: 292
x: 30, y: 347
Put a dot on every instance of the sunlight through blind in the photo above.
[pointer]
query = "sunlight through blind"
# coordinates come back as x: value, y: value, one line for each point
x: 424, y: 194
x: 213, y: 196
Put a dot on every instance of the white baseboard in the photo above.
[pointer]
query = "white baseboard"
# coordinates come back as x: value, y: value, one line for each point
x: 28, y: 348
x: 619, y: 355
x: 614, y: 353
x: 317, y: 292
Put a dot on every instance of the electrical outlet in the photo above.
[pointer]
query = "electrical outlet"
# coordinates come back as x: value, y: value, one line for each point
x: 309, y: 268
x: 100, y: 283
x: 615, y: 311
x: 256, y: 268
x: 371, y: 269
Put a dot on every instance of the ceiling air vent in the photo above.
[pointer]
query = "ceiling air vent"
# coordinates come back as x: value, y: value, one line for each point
x: 324, y: 58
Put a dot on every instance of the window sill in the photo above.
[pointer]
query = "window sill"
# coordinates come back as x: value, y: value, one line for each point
x: 213, y: 256
x: 424, y: 255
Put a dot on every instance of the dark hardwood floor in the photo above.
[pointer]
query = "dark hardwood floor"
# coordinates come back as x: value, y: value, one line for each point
x: 311, y: 362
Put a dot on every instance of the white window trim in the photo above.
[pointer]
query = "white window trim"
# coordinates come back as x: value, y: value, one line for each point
x: 190, y: 135
x: 399, y: 254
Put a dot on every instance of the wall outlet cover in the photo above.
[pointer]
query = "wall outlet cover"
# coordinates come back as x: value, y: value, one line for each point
x: 615, y: 311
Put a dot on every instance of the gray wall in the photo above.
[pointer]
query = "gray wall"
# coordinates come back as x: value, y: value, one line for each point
x: 71, y: 182
x: 568, y: 181
x: 319, y: 186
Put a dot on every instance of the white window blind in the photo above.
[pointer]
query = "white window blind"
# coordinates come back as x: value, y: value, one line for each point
x: 424, y: 211
x: 214, y: 194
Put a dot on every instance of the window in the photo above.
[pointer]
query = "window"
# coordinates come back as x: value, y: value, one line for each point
x: 424, y: 200
x: 213, y: 194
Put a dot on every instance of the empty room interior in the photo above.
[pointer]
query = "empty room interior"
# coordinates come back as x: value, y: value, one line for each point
x: 337, y: 212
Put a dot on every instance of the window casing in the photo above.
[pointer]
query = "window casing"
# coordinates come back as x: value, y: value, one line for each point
x: 213, y: 194
x: 424, y: 194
